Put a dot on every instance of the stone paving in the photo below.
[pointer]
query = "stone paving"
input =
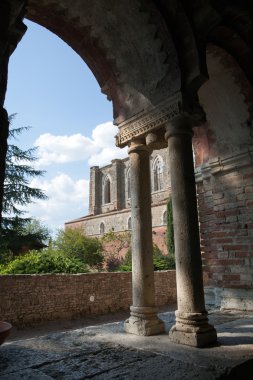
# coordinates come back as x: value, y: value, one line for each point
x: 106, y: 352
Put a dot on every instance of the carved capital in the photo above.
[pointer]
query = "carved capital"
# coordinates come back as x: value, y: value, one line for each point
x: 148, y: 121
x: 138, y: 145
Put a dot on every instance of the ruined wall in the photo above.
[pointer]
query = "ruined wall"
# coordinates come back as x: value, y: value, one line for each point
x: 224, y: 151
x: 27, y: 299
x: 116, y: 221
x: 115, y: 215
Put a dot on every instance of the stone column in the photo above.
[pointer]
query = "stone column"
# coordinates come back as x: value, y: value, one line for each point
x: 143, y: 317
x: 191, y: 326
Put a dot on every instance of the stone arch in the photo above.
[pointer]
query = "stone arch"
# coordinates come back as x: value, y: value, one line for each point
x: 107, y: 190
x: 132, y: 81
x: 227, y: 101
x: 234, y: 33
x: 157, y: 173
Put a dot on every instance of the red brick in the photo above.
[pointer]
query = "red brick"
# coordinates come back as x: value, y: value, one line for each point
x: 249, y: 175
x: 235, y: 247
x: 231, y: 277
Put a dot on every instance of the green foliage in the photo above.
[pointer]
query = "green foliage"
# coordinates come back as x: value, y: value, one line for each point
x: 111, y: 236
x: 23, y: 234
x: 5, y: 253
x: 46, y: 261
x: 16, y: 231
x: 73, y: 243
x: 126, y: 265
x: 120, y: 241
x: 18, y: 173
x: 170, y: 229
x: 161, y: 262
x: 71, y: 252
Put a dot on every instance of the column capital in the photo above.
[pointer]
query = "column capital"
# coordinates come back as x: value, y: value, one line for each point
x: 149, y: 120
x: 138, y: 145
x: 180, y: 125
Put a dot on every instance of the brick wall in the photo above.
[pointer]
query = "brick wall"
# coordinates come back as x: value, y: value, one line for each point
x: 27, y: 299
x: 225, y: 199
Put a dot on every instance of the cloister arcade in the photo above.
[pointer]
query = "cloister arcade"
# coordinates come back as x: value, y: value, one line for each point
x: 149, y: 58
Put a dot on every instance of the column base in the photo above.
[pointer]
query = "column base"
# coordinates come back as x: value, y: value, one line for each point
x: 193, y: 329
x: 143, y: 321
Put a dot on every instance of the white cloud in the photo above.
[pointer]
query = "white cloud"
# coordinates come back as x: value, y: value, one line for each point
x: 62, y: 149
x: 98, y: 150
x: 68, y: 199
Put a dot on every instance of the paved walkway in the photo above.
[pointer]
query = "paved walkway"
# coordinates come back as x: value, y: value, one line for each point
x: 106, y: 352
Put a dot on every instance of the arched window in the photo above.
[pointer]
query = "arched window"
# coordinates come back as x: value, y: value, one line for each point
x: 107, y: 190
x: 128, y: 184
x: 102, y: 228
x: 158, y: 174
x: 164, y: 221
x: 129, y: 223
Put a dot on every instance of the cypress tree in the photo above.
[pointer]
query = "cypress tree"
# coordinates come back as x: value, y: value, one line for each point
x: 170, y: 228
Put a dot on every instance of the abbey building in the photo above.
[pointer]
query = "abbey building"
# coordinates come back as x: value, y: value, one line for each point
x: 110, y: 195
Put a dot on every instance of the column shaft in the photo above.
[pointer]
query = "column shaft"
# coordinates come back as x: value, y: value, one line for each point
x: 191, y: 317
x: 187, y: 245
x: 143, y: 319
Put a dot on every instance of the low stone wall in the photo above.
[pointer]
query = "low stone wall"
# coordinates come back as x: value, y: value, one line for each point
x: 28, y: 299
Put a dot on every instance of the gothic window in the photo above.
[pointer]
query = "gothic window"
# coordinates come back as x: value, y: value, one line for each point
x: 158, y: 174
x: 164, y: 221
x: 107, y: 190
x: 102, y: 228
x: 129, y: 223
x: 128, y: 184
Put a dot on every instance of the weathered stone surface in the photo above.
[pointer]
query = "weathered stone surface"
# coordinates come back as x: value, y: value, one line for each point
x: 191, y: 326
x: 106, y: 352
x: 143, y: 319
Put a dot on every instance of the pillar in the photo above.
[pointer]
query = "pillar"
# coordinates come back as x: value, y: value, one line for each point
x: 143, y: 317
x: 192, y: 327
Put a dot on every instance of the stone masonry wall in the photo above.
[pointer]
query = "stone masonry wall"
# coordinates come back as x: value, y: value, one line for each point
x: 225, y: 199
x: 28, y: 299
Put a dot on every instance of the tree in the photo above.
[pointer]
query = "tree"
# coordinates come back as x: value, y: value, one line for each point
x: 73, y: 243
x: 18, y: 174
x: 24, y: 235
x: 170, y: 228
x: 18, y: 192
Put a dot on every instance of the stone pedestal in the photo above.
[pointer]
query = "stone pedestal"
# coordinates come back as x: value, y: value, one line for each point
x: 143, y: 318
x: 191, y: 326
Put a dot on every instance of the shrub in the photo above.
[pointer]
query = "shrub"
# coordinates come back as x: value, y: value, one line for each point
x: 45, y: 261
x: 115, y: 244
x: 74, y: 244
x: 126, y: 265
x: 161, y: 262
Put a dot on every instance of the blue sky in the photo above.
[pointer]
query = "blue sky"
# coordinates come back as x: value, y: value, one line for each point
x: 52, y: 90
